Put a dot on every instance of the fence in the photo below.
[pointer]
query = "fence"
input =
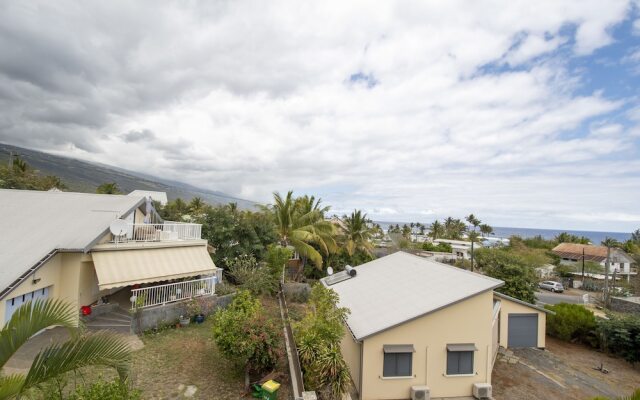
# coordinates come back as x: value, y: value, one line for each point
x: 171, y: 292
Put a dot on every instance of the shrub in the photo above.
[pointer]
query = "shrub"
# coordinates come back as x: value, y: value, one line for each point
x: 634, y: 396
x: 244, y: 336
x: 249, y: 275
x: 620, y: 335
x: 318, y: 338
x: 440, y: 247
x: 276, y: 258
x: 572, y: 322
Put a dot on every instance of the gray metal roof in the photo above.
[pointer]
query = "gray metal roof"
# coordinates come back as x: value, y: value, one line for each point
x: 34, y: 223
x: 400, y: 287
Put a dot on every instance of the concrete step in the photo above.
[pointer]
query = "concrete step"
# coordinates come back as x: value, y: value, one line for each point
x: 110, y: 318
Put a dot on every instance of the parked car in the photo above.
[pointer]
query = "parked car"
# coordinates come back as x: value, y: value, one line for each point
x: 552, y: 286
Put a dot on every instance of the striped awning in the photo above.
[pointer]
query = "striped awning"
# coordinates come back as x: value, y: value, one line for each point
x: 117, y: 268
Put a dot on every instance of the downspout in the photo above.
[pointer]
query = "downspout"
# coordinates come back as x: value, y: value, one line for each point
x: 361, y: 369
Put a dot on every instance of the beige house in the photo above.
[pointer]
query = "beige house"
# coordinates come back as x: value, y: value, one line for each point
x: 67, y: 246
x: 419, y: 329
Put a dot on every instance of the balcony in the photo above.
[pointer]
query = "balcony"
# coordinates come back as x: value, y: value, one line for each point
x: 172, y: 292
x: 165, y: 232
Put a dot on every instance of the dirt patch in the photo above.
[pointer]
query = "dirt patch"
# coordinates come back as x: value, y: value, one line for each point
x: 563, y: 371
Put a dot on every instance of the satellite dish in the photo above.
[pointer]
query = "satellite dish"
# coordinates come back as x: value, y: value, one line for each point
x: 118, y: 227
x: 329, y: 271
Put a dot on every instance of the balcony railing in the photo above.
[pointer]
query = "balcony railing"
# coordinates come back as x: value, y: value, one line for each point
x: 168, y: 231
x: 172, y: 292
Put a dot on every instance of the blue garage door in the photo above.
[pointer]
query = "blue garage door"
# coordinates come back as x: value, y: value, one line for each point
x: 523, y: 330
x: 13, y: 304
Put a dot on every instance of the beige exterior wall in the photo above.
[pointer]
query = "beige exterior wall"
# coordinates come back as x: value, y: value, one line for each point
x: 351, y: 354
x: 469, y: 321
x: 511, y: 307
x: 69, y: 276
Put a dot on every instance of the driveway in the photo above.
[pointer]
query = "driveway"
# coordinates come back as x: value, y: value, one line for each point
x: 563, y: 371
x: 546, y: 297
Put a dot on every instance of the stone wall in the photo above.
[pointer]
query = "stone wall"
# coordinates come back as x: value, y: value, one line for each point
x: 156, y: 317
x: 626, y: 305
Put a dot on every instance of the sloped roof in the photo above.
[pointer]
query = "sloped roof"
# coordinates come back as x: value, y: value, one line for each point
x: 34, y: 223
x: 400, y: 287
x: 591, y: 252
x: 160, y: 197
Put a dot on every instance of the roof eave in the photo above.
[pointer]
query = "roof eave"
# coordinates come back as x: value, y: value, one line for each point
x: 524, y: 303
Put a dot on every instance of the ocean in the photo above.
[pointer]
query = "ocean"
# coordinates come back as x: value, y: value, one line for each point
x: 505, y: 232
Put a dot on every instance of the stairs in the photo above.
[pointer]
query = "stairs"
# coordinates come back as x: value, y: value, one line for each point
x: 117, y: 320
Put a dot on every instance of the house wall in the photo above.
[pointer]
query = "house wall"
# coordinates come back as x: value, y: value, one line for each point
x: 351, y: 352
x: 469, y: 321
x: 511, y: 307
x: 62, y: 274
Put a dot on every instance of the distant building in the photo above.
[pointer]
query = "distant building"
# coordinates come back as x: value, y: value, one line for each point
x: 461, y: 248
x: 160, y: 197
x: 574, y: 252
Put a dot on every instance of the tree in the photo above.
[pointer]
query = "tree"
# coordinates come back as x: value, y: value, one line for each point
x: 301, y: 224
x: 19, y: 165
x: 609, y: 243
x: 108, y: 188
x: 565, y: 237
x: 357, y: 234
x: 635, y: 236
x: 486, y: 230
x: 244, y: 336
x: 473, y: 221
x: 81, y: 350
x: 473, y: 238
x: 437, y: 230
x: 519, y: 277
x: 406, y: 231
x: 197, y: 206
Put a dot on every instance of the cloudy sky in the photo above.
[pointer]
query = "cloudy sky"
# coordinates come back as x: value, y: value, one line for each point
x: 525, y: 113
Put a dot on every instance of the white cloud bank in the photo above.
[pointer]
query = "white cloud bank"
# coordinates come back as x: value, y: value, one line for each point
x: 249, y: 97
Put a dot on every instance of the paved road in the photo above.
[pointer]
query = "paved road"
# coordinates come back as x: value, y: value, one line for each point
x: 546, y: 297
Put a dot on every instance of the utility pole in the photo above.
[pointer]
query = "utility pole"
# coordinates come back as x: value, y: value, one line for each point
x: 583, y: 266
x: 606, y: 277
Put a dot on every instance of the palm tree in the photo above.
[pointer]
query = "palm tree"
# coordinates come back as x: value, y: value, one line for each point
x: 108, y: 188
x: 81, y: 350
x: 472, y: 220
x: 300, y: 229
x: 19, y: 165
x: 306, y: 204
x: 609, y: 243
x: 635, y: 236
x: 196, y: 206
x: 357, y: 234
x: 437, y: 230
x: 486, y: 230
x: 406, y: 231
x: 473, y: 238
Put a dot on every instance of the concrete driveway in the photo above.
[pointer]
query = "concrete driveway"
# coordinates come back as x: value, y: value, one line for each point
x: 563, y: 371
x: 546, y: 297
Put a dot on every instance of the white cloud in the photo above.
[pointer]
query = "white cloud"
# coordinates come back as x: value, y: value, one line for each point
x: 250, y: 97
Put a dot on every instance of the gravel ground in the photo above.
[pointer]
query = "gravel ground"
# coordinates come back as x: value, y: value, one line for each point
x: 563, y: 371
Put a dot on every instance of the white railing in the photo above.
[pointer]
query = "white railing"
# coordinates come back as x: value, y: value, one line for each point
x: 172, y: 292
x: 168, y: 231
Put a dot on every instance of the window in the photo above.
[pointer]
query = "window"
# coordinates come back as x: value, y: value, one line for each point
x: 398, y: 360
x: 460, y: 359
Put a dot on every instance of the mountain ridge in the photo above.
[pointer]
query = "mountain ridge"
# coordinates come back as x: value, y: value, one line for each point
x: 86, y: 176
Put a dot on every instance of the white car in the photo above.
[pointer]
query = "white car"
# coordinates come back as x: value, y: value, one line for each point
x: 552, y: 286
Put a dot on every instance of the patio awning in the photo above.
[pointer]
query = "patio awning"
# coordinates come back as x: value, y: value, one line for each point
x: 117, y: 268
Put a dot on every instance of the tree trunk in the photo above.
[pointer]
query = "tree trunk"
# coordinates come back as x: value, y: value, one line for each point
x: 606, y: 278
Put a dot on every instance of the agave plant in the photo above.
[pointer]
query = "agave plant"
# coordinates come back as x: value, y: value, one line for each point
x: 81, y: 350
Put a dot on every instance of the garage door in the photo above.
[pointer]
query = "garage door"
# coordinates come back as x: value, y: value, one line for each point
x: 523, y: 330
x: 13, y: 304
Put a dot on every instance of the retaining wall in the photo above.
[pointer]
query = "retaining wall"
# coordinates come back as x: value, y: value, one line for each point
x: 626, y: 305
x: 155, y: 317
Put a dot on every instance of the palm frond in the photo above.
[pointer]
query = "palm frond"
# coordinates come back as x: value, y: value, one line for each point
x: 99, y: 348
x: 306, y: 250
x: 31, y: 318
x: 10, y: 386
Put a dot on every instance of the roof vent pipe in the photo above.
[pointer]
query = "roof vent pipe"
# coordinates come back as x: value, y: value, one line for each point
x: 350, y: 270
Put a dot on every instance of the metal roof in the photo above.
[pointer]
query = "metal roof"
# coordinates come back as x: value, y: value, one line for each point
x: 591, y: 252
x: 160, y: 197
x: 34, y: 223
x: 400, y: 287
